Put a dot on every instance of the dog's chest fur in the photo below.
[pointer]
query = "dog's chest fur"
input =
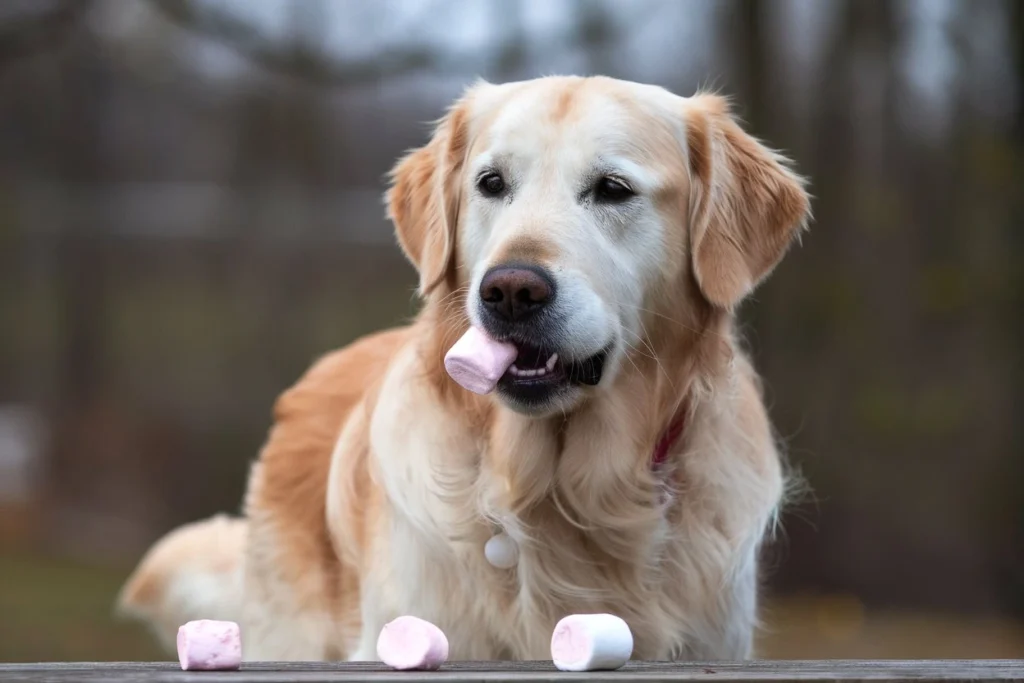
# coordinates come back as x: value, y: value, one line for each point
x: 594, y: 534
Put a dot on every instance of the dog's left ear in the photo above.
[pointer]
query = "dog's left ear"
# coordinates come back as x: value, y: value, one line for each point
x: 746, y: 205
x: 423, y: 200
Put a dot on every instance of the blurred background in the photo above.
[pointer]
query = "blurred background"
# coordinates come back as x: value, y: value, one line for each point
x: 190, y: 213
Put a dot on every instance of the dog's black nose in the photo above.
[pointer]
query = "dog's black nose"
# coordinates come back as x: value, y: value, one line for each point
x: 514, y: 293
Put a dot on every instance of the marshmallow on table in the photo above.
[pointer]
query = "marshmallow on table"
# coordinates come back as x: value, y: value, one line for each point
x: 207, y: 645
x: 591, y: 642
x: 477, y: 362
x: 412, y: 643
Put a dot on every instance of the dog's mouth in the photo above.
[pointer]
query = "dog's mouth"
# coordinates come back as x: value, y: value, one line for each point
x: 537, y: 364
x: 539, y: 373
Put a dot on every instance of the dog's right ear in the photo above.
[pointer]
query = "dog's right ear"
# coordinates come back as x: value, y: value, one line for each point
x: 424, y: 197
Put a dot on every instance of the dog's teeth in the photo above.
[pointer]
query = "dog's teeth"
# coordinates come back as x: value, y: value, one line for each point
x: 517, y: 371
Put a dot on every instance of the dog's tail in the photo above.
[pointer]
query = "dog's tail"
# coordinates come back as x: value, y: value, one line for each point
x: 194, y: 572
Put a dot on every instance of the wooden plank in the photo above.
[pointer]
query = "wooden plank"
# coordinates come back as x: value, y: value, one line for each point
x: 461, y: 672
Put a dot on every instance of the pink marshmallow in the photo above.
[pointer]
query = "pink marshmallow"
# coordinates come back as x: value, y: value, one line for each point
x: 412, y: 643
x: 477, y: 362
x: 591, y: 642
x: 207, y: 645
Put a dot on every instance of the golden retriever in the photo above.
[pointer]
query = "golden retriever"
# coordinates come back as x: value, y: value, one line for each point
x: 638, y: 477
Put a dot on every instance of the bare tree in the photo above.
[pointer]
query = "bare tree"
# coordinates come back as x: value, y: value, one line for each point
x: 596, y: 33
x: 310, y: 62
x: 37, y: 32
x: 1011, y: 567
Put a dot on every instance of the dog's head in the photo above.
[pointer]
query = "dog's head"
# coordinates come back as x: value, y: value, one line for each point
x: 578, y: 212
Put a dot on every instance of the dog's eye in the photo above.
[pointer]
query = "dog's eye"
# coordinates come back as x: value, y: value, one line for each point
x: 612, y: 190
x: 491, y: 184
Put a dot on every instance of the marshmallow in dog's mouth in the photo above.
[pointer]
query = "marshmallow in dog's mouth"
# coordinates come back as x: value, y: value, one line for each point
x: 478, y: 362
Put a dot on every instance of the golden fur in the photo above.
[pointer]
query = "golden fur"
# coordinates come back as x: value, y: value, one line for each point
x: 381, y: 479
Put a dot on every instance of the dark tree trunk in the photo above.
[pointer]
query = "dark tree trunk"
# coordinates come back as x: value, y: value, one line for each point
x: 79, y: 269
x: 1011, y: 567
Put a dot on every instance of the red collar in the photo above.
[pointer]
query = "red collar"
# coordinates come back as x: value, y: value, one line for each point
x: 669, y: 438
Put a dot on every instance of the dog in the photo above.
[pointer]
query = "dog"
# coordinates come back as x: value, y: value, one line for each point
x: 609, y: 230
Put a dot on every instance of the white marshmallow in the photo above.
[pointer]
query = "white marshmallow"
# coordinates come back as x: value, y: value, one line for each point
x: 412, y: 643
x: 591, y: 642
x: 477, y: 361
x: 207, y: 645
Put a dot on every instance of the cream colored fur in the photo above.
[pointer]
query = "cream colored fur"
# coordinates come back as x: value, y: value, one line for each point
x: 381, y: 480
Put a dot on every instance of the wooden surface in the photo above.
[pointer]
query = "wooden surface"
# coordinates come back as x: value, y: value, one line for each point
x: 824, y: 670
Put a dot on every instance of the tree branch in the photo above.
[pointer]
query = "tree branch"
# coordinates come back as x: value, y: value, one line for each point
x: 21, y: 38
x: 294, y: 59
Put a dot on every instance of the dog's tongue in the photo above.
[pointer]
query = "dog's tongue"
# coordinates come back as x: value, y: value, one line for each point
x: 477, y: 362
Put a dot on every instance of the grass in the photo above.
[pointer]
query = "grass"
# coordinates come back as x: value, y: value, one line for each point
x: 839, y: 627
x: 55, y: 610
